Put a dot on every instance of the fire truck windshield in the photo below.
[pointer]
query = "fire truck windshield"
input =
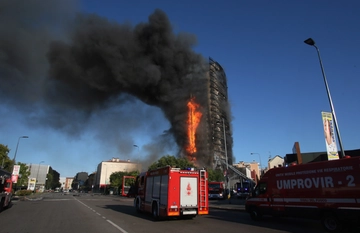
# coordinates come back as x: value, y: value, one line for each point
x: 260, y: 189
x: 215, y: 186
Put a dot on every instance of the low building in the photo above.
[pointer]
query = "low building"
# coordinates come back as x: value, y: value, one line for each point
x: 68, y: 182
x: 252, y: 169
x: 38, y: 173
x: 277, y: 161
x: 106, y: 168
x: 79, y: 181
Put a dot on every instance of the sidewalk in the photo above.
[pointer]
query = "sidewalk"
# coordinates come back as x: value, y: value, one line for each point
x: 228, y: 204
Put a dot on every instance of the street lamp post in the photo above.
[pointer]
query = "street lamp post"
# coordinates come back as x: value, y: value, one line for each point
x: 259, y: 160
x: 138, y: 150
x: 105, y: 178
x: 311, y: 42
x: 17, y: 145
x: 37, y: 174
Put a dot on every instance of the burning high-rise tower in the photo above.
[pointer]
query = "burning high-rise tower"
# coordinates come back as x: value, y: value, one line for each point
x: 208, y: 128
x: 220, y: 145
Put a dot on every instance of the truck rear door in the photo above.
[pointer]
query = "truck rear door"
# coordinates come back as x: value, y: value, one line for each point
x: 188, y: 192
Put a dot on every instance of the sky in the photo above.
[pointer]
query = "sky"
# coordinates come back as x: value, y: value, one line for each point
x: 275, y: 85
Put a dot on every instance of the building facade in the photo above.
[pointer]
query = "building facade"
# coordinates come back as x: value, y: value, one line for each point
x: 219, y: 116
x: 106, y: 168
x: 253, y: 169
x: 79, y: 181
x: 38, y: 172
x: 277, y: 161
x: 68, y: 183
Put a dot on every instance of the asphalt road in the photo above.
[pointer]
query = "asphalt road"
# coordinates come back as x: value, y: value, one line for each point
x: 111, y: 214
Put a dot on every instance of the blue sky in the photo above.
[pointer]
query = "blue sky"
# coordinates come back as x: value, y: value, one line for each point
x: 275, y: 85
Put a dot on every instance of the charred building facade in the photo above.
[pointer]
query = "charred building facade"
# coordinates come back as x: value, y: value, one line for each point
x: 219, y: 116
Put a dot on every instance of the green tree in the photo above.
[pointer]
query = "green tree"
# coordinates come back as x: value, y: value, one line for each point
x: 52, y: 179
x: 49, y: 181
x: 170, y: 160
x: 215, y: 175
x: 116, y: 178
x: 5, y: 162
x: 24, y: 174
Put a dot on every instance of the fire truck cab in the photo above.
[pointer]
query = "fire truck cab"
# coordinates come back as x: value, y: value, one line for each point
x: 172, y: 192
x: 216, y: 190
x: 127, y: 187
x: 5, y: 189
x: 244, y: 188
x: 327, y: 190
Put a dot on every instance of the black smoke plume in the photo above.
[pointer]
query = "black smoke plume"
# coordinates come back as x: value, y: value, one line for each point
x: 62, y: 79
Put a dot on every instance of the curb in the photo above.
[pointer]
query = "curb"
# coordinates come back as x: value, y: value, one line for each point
x: 227, y: 208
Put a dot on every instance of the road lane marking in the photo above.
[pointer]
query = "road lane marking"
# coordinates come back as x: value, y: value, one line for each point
x: 114, y: 225
x: 57, y: 199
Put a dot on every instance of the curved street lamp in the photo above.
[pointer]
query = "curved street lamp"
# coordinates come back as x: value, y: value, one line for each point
x: 37, y: 174
x: 17, y: 145
x: 311, y: 42
x: 105, y: 178
x: 259, y: 159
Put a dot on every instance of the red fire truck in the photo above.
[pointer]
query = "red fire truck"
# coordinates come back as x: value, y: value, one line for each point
x: 172, y: 192
x: 127, y: 186
x: 5, y: 189
x: 327, y: 190
x: 244, y: 188
x: 217, y: 190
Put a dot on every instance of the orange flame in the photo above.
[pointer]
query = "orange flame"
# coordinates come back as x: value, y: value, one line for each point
x: 193, y: 121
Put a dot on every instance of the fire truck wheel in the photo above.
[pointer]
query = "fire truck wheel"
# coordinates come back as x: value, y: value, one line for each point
x: 255, y: 214
x: 2, y: 203
x: 137, y: 206
x: 331, y: 223
x: 8, y: 205
x: 155, y: 211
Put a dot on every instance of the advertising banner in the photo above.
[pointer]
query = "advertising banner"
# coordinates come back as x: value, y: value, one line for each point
x: 330, y: 141
x: 31, y: 184
x: 14, y: 178
x: 16, y: 170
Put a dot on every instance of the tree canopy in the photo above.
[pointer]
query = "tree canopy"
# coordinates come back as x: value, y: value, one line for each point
x: 116, y: 178
x: 5, y: 162
x: 24, y: 174
x: 215, y: 175
x: 52, y: 179
x: 172, y: 161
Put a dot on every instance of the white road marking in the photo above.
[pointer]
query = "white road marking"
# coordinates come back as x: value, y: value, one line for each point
x: 114, y: 225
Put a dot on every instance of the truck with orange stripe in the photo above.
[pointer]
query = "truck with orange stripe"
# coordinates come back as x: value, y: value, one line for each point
x: 5, y: 189
x: 172, y: 192
x: 326, y: 190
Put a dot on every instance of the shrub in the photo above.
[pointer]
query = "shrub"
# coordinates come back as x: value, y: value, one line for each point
x: 23, y: 192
